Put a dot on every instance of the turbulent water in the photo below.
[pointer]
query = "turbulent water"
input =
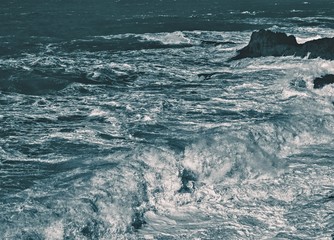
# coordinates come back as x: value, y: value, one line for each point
x: 125, y: 120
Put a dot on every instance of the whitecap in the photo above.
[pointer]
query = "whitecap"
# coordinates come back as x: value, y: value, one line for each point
x: 302, y: 40
x: 55, y: 231
x: 98, y: 113
x: 173, y: 38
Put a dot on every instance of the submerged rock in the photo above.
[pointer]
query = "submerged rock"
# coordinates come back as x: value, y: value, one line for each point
x: 320, y: 82
x: 298, y: 83
x: 269, y: 43
x: 188, y: 178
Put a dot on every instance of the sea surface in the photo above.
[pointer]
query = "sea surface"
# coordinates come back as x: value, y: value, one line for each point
x: 124, y: 119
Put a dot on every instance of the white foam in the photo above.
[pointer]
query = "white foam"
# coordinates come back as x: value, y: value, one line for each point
x: 27, y: 68
x: 55, y: 231
x: 249, y: 13
x: 98, y: 113
x: 326, y: 91
x: 304, y: 34
x: 117, y: 189
x: 301, y: 40
x: 113, y: 104
x: 116, y: 36
x: 296, y: 11
x: 174, y: 38
x: 214, y: 159
x: 123, y: 66
x: 288, y: 93
x: 147, y: 118
x: 294, y: 67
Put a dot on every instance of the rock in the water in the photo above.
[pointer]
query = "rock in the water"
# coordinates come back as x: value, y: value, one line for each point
x: 323, y: 81
x: 323, y: 48
x: 268, y: 43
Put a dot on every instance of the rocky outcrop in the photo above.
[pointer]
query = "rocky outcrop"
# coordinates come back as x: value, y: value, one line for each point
x: 268, y: 43
x: 323, y: 81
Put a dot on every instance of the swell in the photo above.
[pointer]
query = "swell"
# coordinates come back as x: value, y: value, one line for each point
x: 188, y: 147
x: 53, y: 66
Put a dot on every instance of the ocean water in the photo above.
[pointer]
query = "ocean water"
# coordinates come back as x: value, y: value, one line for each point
x: 124, y: 119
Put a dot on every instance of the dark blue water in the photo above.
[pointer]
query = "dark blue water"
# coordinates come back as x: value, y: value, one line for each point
x: 124, y: 120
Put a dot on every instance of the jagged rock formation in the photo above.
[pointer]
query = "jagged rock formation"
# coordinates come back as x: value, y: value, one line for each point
x: 268, y: 43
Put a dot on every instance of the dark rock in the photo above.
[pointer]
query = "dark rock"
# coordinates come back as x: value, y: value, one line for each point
x: 323, y: 48
x: 186, y: 177
x: 268, y: 43
x: 298, y: 83
x: 138, y: 220
x: 320, y: 82
x: 91, y: 230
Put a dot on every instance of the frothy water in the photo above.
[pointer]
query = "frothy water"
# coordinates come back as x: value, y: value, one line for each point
x: 155, y: 135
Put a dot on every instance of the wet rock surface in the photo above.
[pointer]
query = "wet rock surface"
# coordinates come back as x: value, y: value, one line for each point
x: 268, y: 43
